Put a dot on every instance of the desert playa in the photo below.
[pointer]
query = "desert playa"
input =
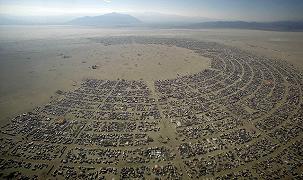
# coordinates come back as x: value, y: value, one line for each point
x: 92, y: 103
x: 155, y: 90
x: 38, y: 61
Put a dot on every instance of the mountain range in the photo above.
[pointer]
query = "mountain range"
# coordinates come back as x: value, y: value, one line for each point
x: 277, y: 26
x: 126, y: 20
x: 111, y: 19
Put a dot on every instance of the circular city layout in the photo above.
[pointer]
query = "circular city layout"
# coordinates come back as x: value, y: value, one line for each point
x: 240, y: 118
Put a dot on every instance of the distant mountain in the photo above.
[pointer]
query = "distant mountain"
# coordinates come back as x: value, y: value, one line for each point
x: 276, y: 26
x: 111, y: 19
x: 149, y: 20
x: 160, y: 18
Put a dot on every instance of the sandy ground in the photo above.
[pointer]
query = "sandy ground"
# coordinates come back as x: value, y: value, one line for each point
x: 33, y: 70
x: 37, y: 61
x: 280, y: 45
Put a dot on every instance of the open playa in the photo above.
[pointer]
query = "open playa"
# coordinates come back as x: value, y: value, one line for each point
x: 92, y: 103
x: 38, y: 60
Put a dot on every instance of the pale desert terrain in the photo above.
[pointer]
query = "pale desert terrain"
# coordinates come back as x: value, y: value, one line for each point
x: 88, y: 103
x: 36, y: 61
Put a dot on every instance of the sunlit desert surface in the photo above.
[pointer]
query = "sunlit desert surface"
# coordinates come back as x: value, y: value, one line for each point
x: 37, y: 61
x: 79, y: 102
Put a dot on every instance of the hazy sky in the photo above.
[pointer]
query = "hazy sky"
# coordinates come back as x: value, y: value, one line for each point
x: 252, y: 10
